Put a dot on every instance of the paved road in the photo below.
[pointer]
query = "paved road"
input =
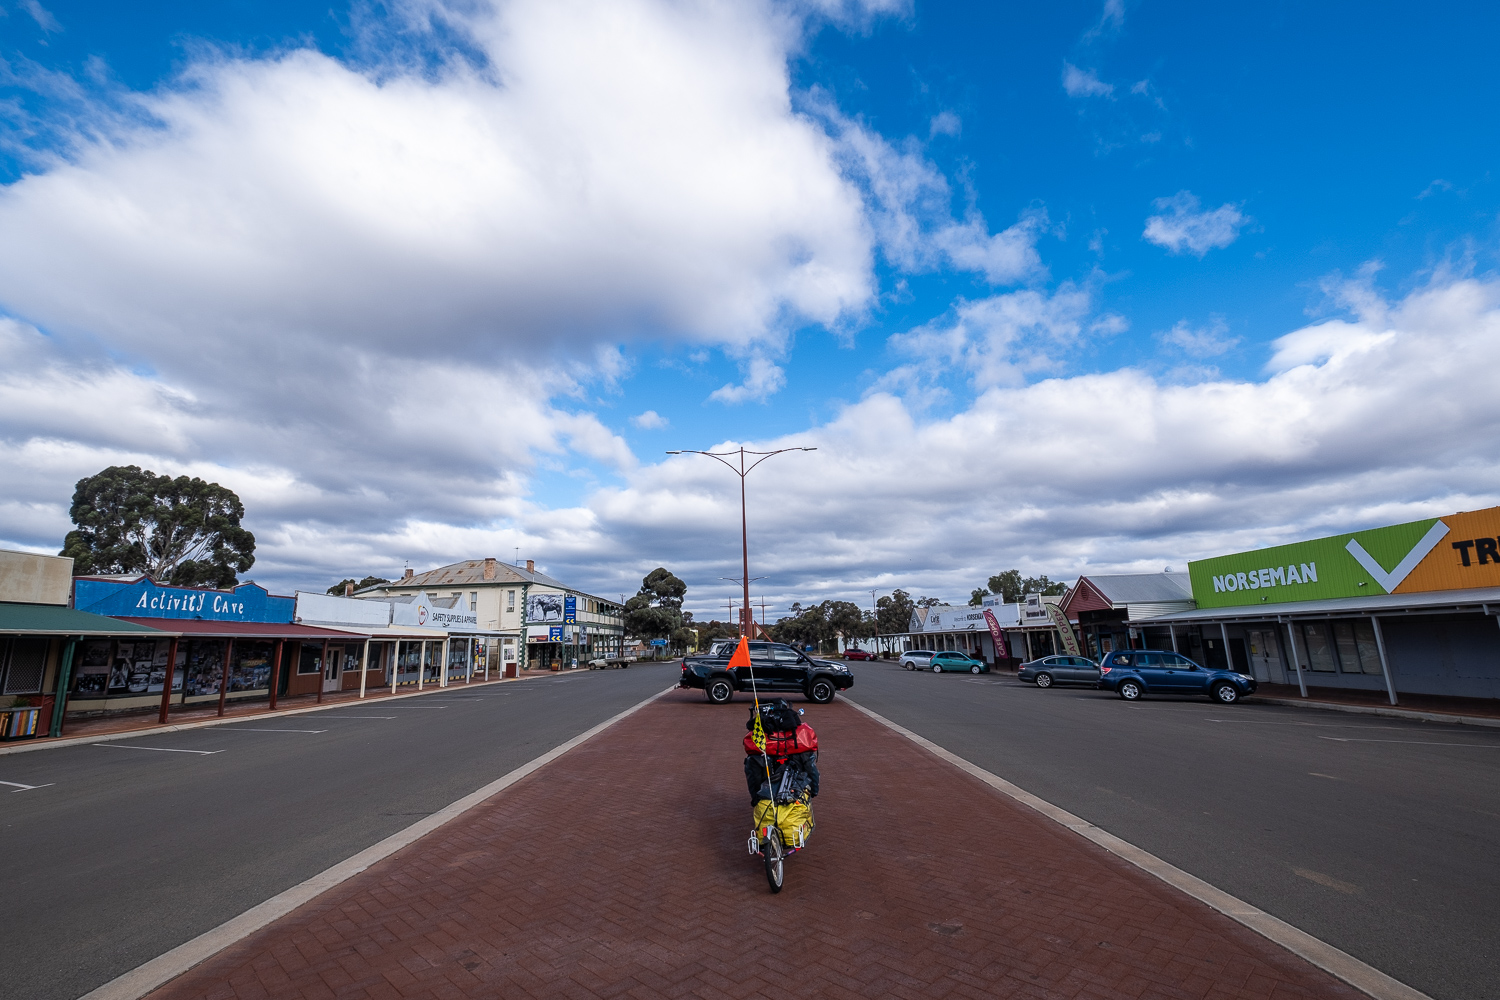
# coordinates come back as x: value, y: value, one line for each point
x: 128, y: 852
x: 1379, y: 836
x: 621, y: 873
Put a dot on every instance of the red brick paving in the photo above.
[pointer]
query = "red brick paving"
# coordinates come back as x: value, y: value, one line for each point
x: 620, y: 871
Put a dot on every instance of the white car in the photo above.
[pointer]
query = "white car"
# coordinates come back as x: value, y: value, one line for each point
x: 917, y: 659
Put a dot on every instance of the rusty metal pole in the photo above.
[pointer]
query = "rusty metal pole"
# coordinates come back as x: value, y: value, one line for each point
x: 276, y: 671
x: 322, y: 673
x: 166, y: 684
x: 224, y: 680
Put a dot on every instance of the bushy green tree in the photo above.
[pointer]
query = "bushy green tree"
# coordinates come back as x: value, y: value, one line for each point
x: 655, y: 612
x: 183, y: 531
x: 893, y: 612
x: 1012, y: 588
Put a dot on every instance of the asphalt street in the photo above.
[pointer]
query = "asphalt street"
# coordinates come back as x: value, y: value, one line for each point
x: 125, y: 849
x: 1379, y: 836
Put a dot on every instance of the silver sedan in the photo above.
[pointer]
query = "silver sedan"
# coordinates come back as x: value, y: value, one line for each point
x: 1060, y: 670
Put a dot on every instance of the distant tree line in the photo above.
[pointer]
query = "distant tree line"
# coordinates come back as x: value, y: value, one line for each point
x: 1012, y: 588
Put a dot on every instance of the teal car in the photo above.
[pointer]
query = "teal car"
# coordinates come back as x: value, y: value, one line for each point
x: 957, y: 661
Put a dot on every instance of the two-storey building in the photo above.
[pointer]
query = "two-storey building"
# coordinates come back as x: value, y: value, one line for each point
x: 554, y: 623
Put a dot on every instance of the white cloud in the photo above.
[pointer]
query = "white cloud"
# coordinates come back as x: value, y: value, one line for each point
x: 629, y: 166
x: 1200, y: 342
x: 763, y: 378
x: 945, y: 123
x: 41, y: 15
x: 1084, y: 83
x: 649, y: 421
x: 1182, y: 227
x: 909, y: 207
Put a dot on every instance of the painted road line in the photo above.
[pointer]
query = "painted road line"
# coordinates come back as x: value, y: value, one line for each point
x: 1311, y: 725
x: 359, y: 717
x: 1325, y: 956
x: 1419, y: 743
x: 16, y: 786
x: 247, y: 729
x: 122, y: 746
x: 144, y: 978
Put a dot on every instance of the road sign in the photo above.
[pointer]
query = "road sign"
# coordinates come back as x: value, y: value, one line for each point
x: 658, y: 642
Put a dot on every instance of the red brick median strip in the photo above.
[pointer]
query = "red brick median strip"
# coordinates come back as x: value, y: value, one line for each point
x: 620, y: 870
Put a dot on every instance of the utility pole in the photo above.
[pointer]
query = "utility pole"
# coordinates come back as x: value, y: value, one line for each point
x: 875, y: 617
x: 742, y: 470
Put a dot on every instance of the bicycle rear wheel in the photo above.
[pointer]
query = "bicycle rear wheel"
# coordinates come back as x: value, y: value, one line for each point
x: 775, y: 858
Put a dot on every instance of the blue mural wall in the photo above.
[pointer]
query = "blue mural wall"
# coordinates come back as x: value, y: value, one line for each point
x: 141, y: 598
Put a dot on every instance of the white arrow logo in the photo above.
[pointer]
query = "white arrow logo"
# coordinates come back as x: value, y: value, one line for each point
x: 1390, y: 581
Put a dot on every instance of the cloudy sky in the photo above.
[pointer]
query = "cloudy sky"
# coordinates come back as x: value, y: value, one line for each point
x: 1070, y: 287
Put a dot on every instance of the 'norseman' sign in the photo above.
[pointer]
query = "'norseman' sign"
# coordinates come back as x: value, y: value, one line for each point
x: 1453, y: 552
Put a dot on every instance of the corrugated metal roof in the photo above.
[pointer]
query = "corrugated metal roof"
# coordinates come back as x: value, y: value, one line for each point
x: 1143, y: 588
x: 1432, y: 601
x: 50, y: 619
x: 257, y: 630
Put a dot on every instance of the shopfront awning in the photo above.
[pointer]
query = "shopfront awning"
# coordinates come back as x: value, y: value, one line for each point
x: 54, y: 619
x: 391, y: 633
x: 202, y: 628
x: 1484, y: 600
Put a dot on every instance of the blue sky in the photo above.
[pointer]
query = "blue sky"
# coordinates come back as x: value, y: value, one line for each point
x: 1316, y: 171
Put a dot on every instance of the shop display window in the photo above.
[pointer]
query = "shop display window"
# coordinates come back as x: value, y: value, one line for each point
x: 91, y: 672
x: 1358, y: 653
x: 250, y: 669
x: 1318, y: 648
x: 310, y: 659
x: 203, y: 670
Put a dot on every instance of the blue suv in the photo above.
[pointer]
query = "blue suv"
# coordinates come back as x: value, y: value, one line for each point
x: 1131, y: 673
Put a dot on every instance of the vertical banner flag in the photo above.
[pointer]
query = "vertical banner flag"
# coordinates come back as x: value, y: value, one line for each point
x: 997, y: 634
x: 1064, y: 628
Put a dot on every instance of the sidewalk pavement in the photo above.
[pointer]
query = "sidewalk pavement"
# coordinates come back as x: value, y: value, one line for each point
x: 144, y: 723
x: 1429, y: 708
x: 620, y: 870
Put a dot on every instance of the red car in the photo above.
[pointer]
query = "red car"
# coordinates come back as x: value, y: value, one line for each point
x: 859, y: 654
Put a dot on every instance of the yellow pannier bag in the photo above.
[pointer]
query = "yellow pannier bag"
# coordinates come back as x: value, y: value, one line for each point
x: 795, y: 820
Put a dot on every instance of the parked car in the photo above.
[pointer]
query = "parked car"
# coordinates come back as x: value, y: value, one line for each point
x: 1060, y: 669
x: 859, y: 654
x: 775, y: 666
x: 917, y: 659
x: 957, y: 661
x: 1131, y: 673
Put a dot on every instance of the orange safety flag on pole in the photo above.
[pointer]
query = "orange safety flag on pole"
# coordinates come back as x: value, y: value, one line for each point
x: 741, y: 657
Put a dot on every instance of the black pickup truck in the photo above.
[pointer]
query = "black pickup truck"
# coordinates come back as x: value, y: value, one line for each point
x: 776, y: 667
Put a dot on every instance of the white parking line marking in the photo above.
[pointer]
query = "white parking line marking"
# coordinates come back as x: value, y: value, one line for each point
x: 1309, y: 725
x: 247, y: 729
x: 122, y: 746
x: 1422, y: 743
x: 25, y: 788
x: 356, y: 717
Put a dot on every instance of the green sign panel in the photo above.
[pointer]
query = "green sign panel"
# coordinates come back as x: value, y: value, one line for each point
x: 1354, y: 565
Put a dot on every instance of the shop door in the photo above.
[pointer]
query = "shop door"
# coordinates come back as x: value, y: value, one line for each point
x: 1265, y: 656
x: 333, y: 670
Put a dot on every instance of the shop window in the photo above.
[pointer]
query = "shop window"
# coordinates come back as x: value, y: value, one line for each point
x: 1358, y: 653
x: 311, y: 660
x: 251, y: 667
x: 23, y: 664
x: 91, y: 671
x: 1318, y: 648
x: 204, y: 667
x: 132, y: 666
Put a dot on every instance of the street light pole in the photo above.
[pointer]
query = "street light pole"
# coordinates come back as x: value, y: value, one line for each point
x: 742, y: 471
